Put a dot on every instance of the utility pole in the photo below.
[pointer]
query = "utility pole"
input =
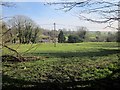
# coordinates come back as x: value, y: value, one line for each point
x: 54, y: 35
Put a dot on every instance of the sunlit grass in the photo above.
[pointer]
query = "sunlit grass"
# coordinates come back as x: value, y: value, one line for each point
x: 65, y: 62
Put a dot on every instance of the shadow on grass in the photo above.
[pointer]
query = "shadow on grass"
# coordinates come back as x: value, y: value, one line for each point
x: 99, y: 84
x: 109, y: 82
x: 101, y: 52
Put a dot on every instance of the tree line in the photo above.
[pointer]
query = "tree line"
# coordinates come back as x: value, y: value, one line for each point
x: 22, y: 29
x: 82, y: 35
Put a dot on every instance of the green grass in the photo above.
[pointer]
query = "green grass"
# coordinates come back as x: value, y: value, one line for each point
x: 80, y: 65
x: 49, y: 47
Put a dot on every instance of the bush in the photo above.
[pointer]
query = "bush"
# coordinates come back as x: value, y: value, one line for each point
x: 74, y: 39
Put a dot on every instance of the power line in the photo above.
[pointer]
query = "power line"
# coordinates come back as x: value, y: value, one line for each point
x: 57, y: 24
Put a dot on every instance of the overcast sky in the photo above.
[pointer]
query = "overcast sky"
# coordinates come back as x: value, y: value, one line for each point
x: 46, y: 15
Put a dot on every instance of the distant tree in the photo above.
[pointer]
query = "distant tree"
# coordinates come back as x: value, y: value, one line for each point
x: 98, y: 35
x: 81, y: 32
x: 24, y: 28
x: 61, y: 37
x: 111, y: 37
x: 34, y: 36
x: 73, y: 39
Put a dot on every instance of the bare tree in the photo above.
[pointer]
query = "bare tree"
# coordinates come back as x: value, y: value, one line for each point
x: 24, y: 28
x: 7, y: 4
x: 81, y: 32
x: 5, y: 31
x: 100, y: 11
x: 19, y: 28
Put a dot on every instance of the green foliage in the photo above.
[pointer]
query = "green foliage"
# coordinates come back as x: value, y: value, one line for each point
x: 61, y: 37
x: 73, y: 39
x: 97, y: 36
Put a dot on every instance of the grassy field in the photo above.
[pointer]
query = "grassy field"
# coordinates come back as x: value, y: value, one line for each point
x: 89, y: 65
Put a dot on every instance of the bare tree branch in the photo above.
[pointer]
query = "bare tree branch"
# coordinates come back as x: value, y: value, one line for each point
x: 106, y: 9
x: 7, y: 4
x: 98, y: 21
